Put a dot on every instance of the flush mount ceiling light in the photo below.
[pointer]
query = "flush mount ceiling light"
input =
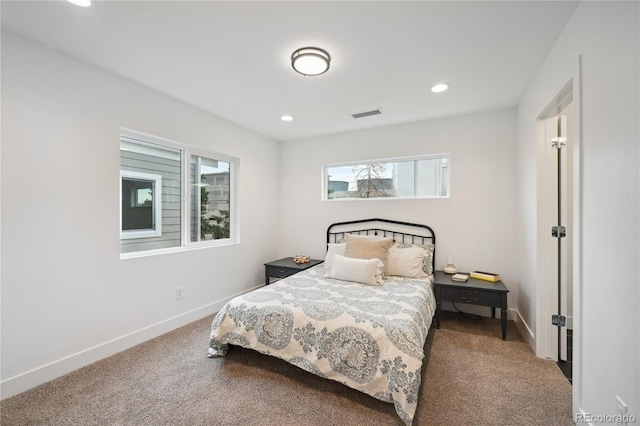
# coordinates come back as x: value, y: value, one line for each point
x: 439, y: 88
x: 286, y: 118
x: 310, y: 61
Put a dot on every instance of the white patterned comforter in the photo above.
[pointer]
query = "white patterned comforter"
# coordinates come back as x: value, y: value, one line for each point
x: 369, y: 338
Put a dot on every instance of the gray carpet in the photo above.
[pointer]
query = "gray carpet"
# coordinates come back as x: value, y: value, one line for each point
x: 470, y: 377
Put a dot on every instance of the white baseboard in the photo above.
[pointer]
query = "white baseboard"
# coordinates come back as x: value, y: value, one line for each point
x: 525, y: 331
x: 30, y: 379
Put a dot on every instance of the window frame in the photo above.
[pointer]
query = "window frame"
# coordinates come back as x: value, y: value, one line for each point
x: 185, y: 152
x: 446, y: 180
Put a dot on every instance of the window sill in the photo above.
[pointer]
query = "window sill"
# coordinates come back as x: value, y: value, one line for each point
x: 444, y: 197
x: 181, y: 249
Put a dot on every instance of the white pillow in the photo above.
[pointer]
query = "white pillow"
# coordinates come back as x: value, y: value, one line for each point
x: 365, y: 271
x: 408, y: 260
x: 332, y: 250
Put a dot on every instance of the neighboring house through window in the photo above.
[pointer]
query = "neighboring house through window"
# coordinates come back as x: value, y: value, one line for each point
x: 390, y: 178
x: 210, y: 198
x: 173, y: 196
x: 141, y: 204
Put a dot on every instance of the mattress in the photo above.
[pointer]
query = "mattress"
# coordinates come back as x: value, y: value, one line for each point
x: 370, y: 338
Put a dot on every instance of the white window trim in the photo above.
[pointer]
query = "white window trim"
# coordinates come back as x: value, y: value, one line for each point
x: 186, y: 152
x: 157, y: 206
x: 325, y: 180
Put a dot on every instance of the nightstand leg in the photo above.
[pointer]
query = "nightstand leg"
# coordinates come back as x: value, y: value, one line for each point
x: 438, y: 306
x: 503, y: 320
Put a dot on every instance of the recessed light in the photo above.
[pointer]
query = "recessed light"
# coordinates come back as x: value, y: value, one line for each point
x: 440, y: 87
x: 286, y: 118
x: 83, y: 3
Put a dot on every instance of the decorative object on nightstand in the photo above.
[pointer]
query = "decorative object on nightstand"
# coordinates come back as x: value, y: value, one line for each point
x: 284, y: 267
x: 460, y: 277
x: 300, y: 259
x: 450, y: 268
x: 486, y: 276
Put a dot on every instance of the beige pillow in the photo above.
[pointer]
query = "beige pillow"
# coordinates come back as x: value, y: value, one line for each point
x: 367, y: 247
x: 365, y: 271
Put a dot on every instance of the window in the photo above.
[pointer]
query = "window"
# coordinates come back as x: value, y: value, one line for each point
x: 210, y: 205
x: 172, y: 196
x: 393, y: 178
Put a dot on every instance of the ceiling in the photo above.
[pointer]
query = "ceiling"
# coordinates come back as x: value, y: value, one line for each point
x: 233, y: 58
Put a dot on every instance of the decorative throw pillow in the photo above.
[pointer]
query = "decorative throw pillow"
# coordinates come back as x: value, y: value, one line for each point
x: 365, y: 271
x: 367, y: 247
x: 332, y: 250
x: 406, y: 260
x: 428, y: 260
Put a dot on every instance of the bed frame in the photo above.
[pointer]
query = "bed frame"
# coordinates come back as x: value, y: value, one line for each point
x: 384, y: 328
x: 401, y: 232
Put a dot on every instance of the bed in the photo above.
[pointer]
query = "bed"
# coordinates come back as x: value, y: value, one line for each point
x: 360, y: 318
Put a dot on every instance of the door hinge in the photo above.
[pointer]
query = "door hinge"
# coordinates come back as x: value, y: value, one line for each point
x: 558, y: 231
x: 559, y: 320
x: 559, y: 142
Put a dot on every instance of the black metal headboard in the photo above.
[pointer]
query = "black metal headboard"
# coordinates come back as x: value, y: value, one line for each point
x: 401, y: 232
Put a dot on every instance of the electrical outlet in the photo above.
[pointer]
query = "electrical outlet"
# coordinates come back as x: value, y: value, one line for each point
x: 621, y: 411
x: 179, y: 293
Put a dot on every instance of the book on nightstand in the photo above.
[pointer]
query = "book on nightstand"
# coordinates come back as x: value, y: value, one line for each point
x: 486, y: 276
x: 460, y: 277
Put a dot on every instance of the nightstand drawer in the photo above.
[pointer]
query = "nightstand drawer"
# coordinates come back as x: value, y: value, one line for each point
x: 279, y: 271
x: 285, y: 267
x: 463, y: 295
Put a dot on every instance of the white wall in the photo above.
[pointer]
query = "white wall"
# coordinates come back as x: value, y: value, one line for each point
x: 477, y: 224
x: 67, y: 298
x: 605, y: 35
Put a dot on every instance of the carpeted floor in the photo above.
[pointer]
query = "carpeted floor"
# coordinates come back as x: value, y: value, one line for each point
x: 470, y: 377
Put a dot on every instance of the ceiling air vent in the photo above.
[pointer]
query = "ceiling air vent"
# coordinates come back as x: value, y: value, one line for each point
x: 367, y: 113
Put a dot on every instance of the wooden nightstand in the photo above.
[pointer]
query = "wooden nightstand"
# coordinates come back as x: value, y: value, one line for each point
x: 285, y: 267
x: 477, y: 292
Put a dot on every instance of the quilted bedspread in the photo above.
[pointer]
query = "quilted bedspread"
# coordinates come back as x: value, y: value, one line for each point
x: 369, y: 338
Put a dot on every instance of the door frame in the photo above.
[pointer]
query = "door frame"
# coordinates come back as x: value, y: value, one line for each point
x: 543, y: 339
x: 554, y: 208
